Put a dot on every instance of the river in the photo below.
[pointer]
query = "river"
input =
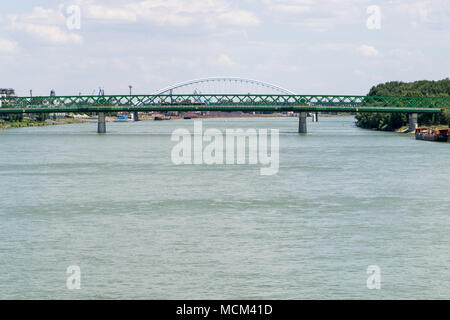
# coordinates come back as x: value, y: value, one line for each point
x: 139, y: 227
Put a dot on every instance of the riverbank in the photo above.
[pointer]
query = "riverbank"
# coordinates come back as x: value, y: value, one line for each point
x: 193, y: 115
x: 33, y: 123
x: 404, y: 129
x: 144, y: 117
x: 149, y: 117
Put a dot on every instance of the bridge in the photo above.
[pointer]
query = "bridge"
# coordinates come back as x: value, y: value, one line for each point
x: 272, y: 99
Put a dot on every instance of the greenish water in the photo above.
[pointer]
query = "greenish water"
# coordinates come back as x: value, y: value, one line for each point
x: 140, y: 227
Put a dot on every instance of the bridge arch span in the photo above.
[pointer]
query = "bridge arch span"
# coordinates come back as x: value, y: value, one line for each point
x: 227, y: 80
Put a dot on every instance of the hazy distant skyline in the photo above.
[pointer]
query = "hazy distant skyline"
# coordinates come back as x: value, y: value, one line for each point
x: 309, y: 47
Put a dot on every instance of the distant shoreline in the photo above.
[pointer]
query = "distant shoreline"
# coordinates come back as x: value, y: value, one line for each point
x: 26, y: 123
x: 30, y: 123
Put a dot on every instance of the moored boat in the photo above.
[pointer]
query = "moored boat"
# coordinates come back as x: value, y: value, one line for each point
x: 158, y: 118
x: 430, y: 134
x: 122, y: 119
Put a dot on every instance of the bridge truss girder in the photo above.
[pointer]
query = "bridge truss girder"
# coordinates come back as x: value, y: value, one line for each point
x: 223, y: 102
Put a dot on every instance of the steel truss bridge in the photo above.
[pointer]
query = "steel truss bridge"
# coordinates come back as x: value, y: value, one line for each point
x: 222, y: 102
x: 269, y: 98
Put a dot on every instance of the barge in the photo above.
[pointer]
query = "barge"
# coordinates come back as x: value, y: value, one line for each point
x: 430, y: 134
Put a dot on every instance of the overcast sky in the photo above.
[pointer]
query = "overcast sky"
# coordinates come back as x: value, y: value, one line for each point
x: 307, y: 46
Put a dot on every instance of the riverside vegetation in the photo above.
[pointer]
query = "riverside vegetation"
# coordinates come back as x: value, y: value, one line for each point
x: 18, y: 121
x: 395, y: 121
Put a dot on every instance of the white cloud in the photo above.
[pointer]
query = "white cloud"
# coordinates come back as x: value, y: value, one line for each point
x: 400, y: 53
x: 225, y: 60
x: 109, y: 13
x: 359, y: 73
x: 48, y: 33
x: 421, y: 12
x: 45, y: 25
x: 7, y: 46
x: 291, y: 6
x: 239, y: 18
x: 43, y: 15
x: 318, y: 15
x: 171, y: 12
x: 325, y: 15
x: 368, y: 51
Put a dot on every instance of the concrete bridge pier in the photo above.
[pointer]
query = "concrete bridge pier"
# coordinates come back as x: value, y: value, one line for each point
x: 101, y: 122
x: 412, y: 117
x: 135, y: 116
x: 302, y: 128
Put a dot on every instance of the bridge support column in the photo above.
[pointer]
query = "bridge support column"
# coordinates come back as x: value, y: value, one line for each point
x: 315, y: 116
x: 101, y: 123
x: 135, y: 116
x: 302, y: 122
x: 412, y: 117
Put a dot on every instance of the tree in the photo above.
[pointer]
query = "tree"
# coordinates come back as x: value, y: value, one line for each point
x: 393, y: 121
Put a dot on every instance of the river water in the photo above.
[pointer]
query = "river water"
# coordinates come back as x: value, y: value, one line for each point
x: 140, y: 227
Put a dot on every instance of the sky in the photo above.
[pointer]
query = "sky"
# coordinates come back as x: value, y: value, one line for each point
x: 306, y: 46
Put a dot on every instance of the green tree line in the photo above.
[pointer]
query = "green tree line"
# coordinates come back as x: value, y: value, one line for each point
x: 394, y: 121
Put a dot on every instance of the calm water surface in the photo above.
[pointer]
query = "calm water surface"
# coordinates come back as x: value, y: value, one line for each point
x: 140, y: 227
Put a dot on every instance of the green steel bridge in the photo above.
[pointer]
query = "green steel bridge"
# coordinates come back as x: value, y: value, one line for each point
x: 222, y: 102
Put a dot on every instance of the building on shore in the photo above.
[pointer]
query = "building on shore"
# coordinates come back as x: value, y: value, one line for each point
x: 4, y: 93
x: 7, y: 92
